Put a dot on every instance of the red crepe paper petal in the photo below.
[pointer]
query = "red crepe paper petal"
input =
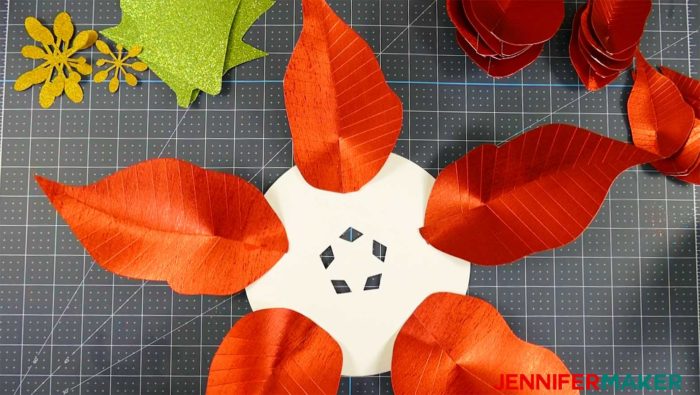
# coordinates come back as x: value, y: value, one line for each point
x: 275, y: 351
x: 486, y: 36
x: 660, y: 119
x: 201, y: 231
x: 465, y: 29
x: 592, y: 47
x: 687, y: 159
x: 619, y: 24
x: 343, y: 116
x: 688, y: 87
x: 580, y: 59
x: 685, y: 162
x: 497, y: 67
x: 536, y: 192
x: 520, y: 22
x: 457, y: 344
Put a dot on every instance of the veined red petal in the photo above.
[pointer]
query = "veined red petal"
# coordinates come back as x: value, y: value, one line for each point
x: 536, y: 192
x: 203, y: 232
x: 486, y: 36
x: 465, y: 28
x: 275, y: 351
x: 579, y: 59
x: 343, y: 116
x: 660, y: 119
x: 619, y: 24
x: 457, y: 344
x: 689, y: 88
x: 498, y: 67
x: 520, y: 22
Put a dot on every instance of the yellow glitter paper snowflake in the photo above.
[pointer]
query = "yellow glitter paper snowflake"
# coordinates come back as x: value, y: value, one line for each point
x: 60, y: 72
x: 119, y: 65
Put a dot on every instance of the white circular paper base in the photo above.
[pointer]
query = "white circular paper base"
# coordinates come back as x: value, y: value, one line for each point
x: 389, y: 210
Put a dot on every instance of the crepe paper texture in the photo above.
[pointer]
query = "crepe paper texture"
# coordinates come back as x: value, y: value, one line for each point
x: 604, y: 38
x: 660, y: 119
x: 519, y: 22
x: 504, y: 36
x: 619, y: 24
x: 536, y: 192
x: 343, y: 116
x: 275, y: 351
x: 118, y: 64
x: 457, y: 344
x: 190, y: 45
x: 59, y: 71
x: 203, y: 232
x: 663, y: 110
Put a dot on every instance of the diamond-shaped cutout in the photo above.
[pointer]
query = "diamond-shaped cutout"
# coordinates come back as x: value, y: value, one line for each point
x: 379, y: 250
x: 327, y: 257
x: 373, y: 282
x: 351, y: 234
x: 340, y: 286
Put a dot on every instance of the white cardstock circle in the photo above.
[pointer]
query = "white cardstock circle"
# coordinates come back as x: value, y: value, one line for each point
x: 390, y: 210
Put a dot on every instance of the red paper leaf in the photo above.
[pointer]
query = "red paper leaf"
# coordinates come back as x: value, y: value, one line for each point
x: 592, y: 48
x: 485, y: 35
x: 496, y: 67
x: 660, y: 119
x: 164, y: 219
x: 536, y: 192
x: 343, y: 116
x: 688, y: 87
x: 579, y: 59
x: 275, y: 351
x: 685, y: 163
x: 520, y: 22
x: 456, y: 344
x: 465, y: 28
x: 619, y: 24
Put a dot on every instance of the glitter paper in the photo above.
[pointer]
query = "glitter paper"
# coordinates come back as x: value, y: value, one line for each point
x: 184, y: 42
x: 61, y: 71
x: 238, y: 51
x: 118, y: 64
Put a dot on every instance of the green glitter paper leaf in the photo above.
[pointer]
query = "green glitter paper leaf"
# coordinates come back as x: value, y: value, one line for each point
x: 184, y: 42
x: 240, y: 52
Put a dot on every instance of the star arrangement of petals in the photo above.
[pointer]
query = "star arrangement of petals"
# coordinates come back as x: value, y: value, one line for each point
x: 118, y: 64
x: 206, y: 232
x: 60, y: 72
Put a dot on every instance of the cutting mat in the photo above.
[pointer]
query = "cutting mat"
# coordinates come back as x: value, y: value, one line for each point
x: 623, y: 298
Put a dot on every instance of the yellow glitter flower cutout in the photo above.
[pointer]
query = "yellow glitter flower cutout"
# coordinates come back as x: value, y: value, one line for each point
x: 60, y: 72
x: 119, y: 65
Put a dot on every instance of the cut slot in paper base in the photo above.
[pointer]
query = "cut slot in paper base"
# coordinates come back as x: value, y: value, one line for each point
x: 357, y: 265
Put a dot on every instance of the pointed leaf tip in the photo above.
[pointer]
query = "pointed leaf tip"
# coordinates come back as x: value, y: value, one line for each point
x: 660, y: 120
x: 343, y: 116
x: 203, y: 232
x: 536, y: 192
